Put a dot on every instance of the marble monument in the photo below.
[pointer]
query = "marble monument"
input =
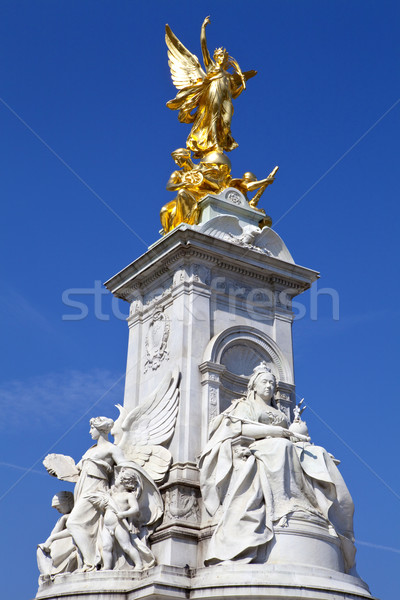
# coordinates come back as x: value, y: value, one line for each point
x: 212, y: 486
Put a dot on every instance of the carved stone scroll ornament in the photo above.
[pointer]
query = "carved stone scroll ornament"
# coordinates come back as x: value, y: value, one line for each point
x: 117, y: 501
x: 156, y: 340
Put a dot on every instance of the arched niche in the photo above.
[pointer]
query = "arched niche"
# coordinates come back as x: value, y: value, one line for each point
x: 229, y: 360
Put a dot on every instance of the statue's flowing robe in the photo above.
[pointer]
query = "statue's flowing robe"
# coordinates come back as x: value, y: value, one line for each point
x: 208, y: 105
x: 85, y: 520
x: 278, y: 478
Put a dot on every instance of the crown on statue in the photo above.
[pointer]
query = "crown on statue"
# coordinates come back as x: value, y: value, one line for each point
x: 262, y: 368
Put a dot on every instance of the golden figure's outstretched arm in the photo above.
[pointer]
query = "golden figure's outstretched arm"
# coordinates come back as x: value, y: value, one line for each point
x: 262, y: 182
x: 203, y: 41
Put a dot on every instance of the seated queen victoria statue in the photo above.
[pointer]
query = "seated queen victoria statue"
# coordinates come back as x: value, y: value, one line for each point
x: 257, y: 473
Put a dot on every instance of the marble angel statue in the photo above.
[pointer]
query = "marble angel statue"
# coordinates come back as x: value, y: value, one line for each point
x: 138, y: 438
x: 205, y: 97
x: 252, y: 486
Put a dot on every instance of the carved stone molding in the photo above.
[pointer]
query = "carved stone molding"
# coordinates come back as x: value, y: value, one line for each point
x: 213, y: 402
x: 223, y: 254
x: 238, y: 338
x: 201, y: 274
x: 211, y: 381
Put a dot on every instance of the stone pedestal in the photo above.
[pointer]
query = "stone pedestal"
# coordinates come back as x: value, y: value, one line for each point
x: 205, y: 300
x: 215, y: 310
x: 231, y: 582
x: 230, y: 202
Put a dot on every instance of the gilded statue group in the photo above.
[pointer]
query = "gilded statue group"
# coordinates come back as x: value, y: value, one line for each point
x: 205, y: 99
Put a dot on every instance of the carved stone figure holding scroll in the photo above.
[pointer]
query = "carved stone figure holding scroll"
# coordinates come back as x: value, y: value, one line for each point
x: 256, y: 473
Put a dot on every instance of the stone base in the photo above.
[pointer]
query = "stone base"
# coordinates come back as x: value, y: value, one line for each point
x: 229, y: 202
x: 238, y: 582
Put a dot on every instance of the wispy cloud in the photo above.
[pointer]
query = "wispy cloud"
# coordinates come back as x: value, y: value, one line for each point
x: 378, y: 547
x: 14, y: 305
x: 19, y: 468
x: 47, y: 399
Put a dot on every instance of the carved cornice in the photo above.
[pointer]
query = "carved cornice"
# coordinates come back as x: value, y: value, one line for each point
x: 185, y: 243
x: 183, y: 531
x: 210, y: 367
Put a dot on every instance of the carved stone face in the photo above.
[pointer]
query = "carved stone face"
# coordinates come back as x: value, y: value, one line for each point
x: 94, y: 433
x: 264, y: 386
x: 61, y: 506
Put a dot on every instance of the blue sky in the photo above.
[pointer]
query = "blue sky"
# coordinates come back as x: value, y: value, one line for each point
x: 85, y: 156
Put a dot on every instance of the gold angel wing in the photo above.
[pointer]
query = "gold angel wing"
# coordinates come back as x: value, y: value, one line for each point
x: 185, y: 66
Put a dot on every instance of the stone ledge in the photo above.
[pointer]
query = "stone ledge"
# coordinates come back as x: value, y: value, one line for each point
x: 233, y: 581
x: 186, y: 243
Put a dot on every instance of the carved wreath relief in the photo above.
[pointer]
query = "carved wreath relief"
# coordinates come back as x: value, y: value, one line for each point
x: 156, y: 340
x: 234, y: 197
x: 181, y: 503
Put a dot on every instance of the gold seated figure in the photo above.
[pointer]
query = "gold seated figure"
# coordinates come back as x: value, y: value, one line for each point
x: 192, y: 183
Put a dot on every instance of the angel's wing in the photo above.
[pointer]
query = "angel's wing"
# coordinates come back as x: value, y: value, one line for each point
x: 61, y: 466
x: 154, y: 459
x: 222, y: 227
x: 153, y: 421
x: 117, y: 431
x: 185, y: 66
x: 269, y: 240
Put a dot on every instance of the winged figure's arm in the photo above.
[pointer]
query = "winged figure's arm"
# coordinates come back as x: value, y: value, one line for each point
x: 185, y: 66
x: 203, y: 41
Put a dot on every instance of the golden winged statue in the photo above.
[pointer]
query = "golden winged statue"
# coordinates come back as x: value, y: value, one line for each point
x: 205, y: 97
